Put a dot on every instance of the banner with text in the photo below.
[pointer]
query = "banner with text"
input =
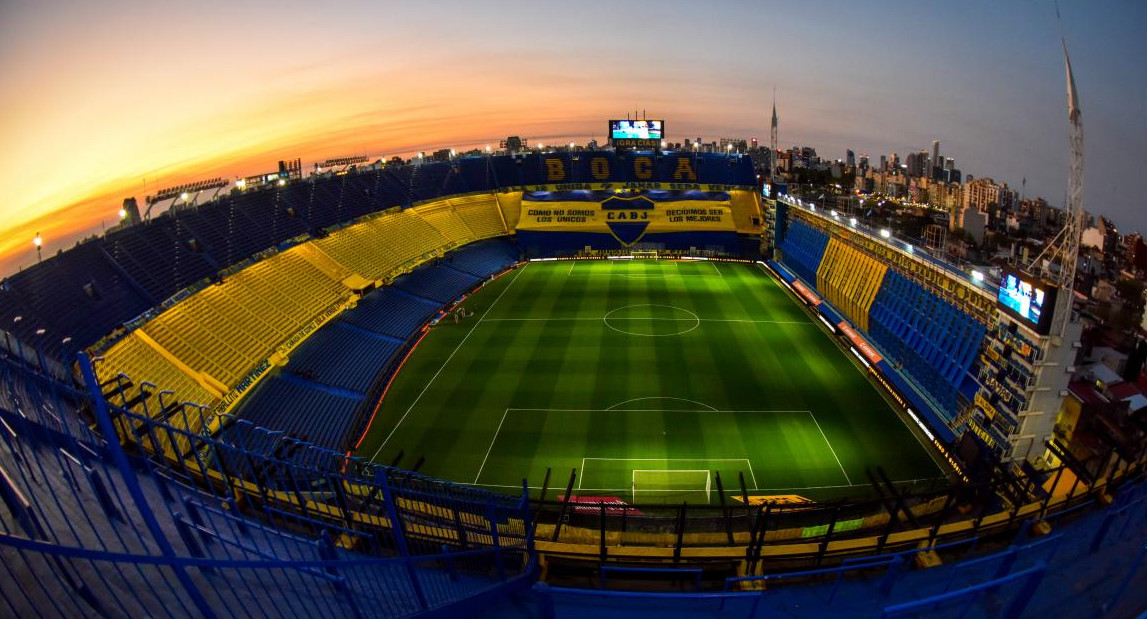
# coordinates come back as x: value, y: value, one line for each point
x: 628, y: 219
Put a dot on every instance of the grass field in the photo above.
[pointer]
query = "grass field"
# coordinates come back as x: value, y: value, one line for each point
x: 647, y: 377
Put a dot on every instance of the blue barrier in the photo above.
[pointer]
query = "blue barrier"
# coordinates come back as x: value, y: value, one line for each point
x: 669, y: 571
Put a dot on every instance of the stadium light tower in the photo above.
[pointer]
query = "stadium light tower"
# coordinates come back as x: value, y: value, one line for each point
x: 38, y: 241
x: 1066, y: 243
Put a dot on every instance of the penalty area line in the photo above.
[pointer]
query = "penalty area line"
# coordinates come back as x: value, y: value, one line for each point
x: 445, y: 363
x: 491, y: 447
x: 827, y: 442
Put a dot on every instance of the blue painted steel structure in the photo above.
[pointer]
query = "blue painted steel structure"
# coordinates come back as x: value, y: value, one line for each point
x: 90, y: 529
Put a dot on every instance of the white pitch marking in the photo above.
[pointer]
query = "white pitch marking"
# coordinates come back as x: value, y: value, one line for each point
x: 582, y: 319
x: 580, y: 475
x: 902, y: 481
x: 444, y: 363
x: 491, y: 447
x: 826, y: 442
x: 652, y: 410
x: 661, y: 397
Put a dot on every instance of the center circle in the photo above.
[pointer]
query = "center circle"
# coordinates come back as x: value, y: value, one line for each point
x: 650, y: 320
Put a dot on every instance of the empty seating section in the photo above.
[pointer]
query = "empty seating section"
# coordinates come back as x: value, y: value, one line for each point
x: 67, y: 303
x: 322, y: 207
x: 302, y: 409
x: 221, y: 229
x: 201, y: 347
x: 381, y: 247
x: 289, y: 219
x: 393, y: 189
x: 159, y: 256
x: 133, y: 357
x: 481, y: 214
x: 334, y: 370
x: 428, y: 181
x: 924, y: 336
x: 439, y: 283
x: 414, y: 238
x: 343, y: 356
x: 485, y: 258
x: 223, y: 331
x: 139, y: 362
x: 444, y: 219
x: 390, y: 312
x: 802, y: 249
x: 933, y: 341
x: 849, y: 279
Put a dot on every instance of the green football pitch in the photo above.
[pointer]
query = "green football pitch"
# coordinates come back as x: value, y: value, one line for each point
x: 649, y: 377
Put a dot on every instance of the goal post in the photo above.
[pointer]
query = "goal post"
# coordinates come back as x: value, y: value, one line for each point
x: 671, y: 486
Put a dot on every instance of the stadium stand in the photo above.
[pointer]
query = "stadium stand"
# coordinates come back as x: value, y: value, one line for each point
x: 481, y: 214
x: 226, y: 329
x: 343, y: 356
x: 933, y: 341
x: 215, y: 337
x: 381, y: 247
x: 256, y: 521
x: 443, y: 217
x: 802, y: 249
x: 345, y: 360
x: 302, y: 408
x: 484, y: 259
x: 160, y: 255
x: 926, y: 339
x: 438, y: 283
x: 390, y: 312
x: 66, y: 303
x: 89, y: 535
x: 429, y: 180
x: 849, y: 279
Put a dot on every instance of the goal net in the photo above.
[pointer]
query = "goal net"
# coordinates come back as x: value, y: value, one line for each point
x: 671, y: 486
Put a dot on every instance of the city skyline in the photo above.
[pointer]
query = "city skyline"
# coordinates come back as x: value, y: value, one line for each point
x: 117, y: 100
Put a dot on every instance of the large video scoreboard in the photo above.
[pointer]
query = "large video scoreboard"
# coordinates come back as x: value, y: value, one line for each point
x: 1028, y: 298
x: 636, y: 133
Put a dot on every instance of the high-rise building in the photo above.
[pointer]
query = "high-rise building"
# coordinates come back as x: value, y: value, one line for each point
x: 936, y: 154
x: 849, y: 158
x: 917, y: 164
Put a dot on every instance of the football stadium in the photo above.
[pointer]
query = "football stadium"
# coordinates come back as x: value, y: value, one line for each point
x: 540, y: 384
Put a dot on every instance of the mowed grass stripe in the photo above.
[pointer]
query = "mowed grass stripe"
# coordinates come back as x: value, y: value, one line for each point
x: 537, y: 363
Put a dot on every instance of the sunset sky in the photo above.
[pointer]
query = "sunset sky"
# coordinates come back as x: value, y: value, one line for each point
x: 105, y: 100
